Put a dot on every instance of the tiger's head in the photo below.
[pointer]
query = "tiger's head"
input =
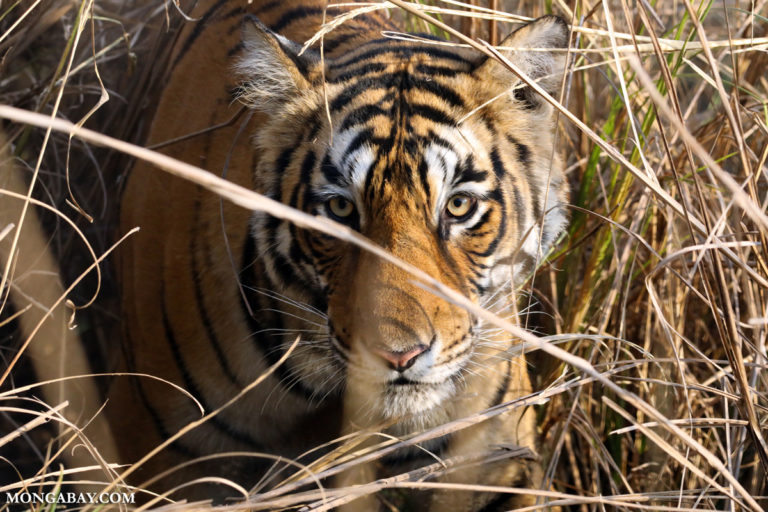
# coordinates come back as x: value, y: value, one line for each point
x: 436, y: 153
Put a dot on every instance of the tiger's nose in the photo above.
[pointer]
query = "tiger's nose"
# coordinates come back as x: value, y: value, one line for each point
x: 401, y: 360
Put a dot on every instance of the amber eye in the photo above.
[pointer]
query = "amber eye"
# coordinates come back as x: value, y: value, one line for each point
x: 341, y: 207
x: 460, y: 206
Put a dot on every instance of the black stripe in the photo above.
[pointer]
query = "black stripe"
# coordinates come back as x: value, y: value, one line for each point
x: 523, y: 152
x: 495, y: 195
x: 498, y: 165
x: 468, y: 173
x: 307, y: 166
x: 294, y: 14
x: 498, y: 168
x: 494, y: 243
x: 519, y: 207
x: 191, y: 386
x: 357, y: 88
x: 482, y: 221
x: 526, y: 97
x: 358, y: 72
x: 268, y: 6
x: 305, y: 177
x: 272, y: 351
x: 537, y: 194
x: 235, y: 50
x: 462, y: 352
x: 501, y: 391
x: 369, y: 21
x: 197, y: 30
x: 297, y: 255
x: 410, y: 146
x: 443, y: 164
x: 433, y: 114
x: 285, y: 270
x: 433, y: 138
x: 363, y: 137
x: 331, y: 173
x: 281, y: 165
x: 323, y: 262
x: 176, y: 445
x: 309, y: 197
x: 389, y: 46
x: 362, y: 115
x: 479, y: 289
x: 213, y: 339
x: 444, y: 93
x: 403, y: 82
x: 424, y: 177
x: 335, y: 40
x: 235, y: 11
x: 477, y: 268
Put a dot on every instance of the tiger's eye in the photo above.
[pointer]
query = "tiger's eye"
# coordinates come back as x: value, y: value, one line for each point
x: 460, y: 205
x: 341, y: 207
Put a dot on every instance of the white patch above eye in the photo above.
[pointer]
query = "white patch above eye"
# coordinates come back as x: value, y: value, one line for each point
x: 354, y: 168
x: 441, y: 169
x: 356, y: 165
x: 471, y: 188
x: 360, y: 164
x: 327, y: 192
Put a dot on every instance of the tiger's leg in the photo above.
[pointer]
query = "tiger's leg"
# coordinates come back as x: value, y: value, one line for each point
x: 514, y: 428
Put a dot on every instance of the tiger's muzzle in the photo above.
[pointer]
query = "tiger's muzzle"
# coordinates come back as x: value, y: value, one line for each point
x: 395, y: 330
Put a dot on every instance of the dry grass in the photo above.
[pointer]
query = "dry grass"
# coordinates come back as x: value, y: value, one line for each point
x: 651, y: 392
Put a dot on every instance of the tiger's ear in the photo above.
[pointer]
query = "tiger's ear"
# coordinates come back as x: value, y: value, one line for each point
x: 270, y: 70
x: 531, y: 50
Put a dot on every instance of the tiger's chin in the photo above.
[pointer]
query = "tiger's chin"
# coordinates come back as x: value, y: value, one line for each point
x: 416, y: 404
x: 406, y: 401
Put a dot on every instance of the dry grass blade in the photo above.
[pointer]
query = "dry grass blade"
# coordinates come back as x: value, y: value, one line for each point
x: 33, y: 423
x: 653, y: 390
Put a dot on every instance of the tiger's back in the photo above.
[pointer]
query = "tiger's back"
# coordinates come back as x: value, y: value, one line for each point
x: 212, y: 295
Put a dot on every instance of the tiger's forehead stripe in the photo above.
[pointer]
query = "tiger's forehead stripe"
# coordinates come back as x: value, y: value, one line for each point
x: 300, y: 13
x: 374, y: 49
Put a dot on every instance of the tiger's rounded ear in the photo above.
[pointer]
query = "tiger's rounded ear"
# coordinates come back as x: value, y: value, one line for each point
x: 530, y: 49
x: 270, y: 70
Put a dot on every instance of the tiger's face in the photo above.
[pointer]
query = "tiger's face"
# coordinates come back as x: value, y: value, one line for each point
x: 429, y: 152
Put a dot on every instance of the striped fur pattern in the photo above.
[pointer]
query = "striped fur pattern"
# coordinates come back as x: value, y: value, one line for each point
x: 432, y: 151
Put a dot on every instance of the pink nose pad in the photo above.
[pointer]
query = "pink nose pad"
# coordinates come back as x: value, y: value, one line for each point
x: 401, y: 361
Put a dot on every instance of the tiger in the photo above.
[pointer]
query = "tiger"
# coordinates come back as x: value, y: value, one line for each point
x: 435, y: 152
